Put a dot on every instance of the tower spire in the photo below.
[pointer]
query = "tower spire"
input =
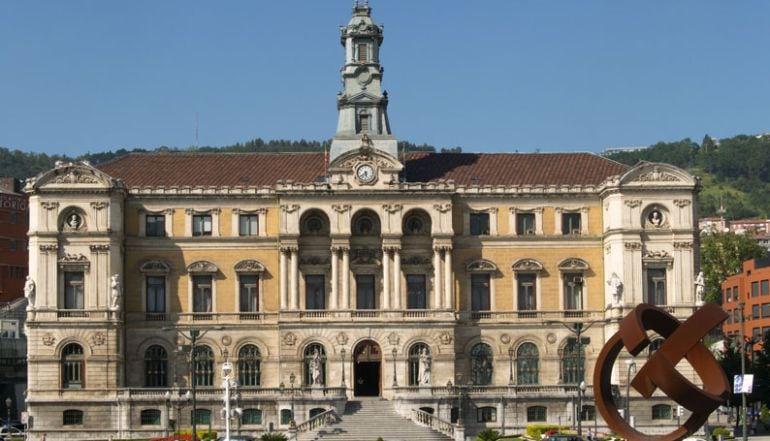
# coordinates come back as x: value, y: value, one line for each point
x: 362, y: 104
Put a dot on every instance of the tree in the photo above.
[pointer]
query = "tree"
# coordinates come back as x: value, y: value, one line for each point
x: 722, y: 255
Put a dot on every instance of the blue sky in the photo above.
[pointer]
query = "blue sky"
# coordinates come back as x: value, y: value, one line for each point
x: 495, y: 75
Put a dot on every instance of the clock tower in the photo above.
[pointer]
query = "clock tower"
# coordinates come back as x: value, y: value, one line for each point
x: 362, y: 104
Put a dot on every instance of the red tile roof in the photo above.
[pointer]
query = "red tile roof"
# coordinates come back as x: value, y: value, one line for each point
x: 258, y: 169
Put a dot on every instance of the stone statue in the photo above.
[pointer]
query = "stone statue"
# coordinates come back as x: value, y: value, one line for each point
x: 315, y: 368
x: 616, y: 289
x: 115, y: 292
x: 425, y: 364
x: 29, y: 292
x: 700, y: 289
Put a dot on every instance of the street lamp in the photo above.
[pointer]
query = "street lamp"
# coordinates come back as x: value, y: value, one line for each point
x: 459, y: 387
x: 229, y: 383
x: 193, y: 337
x: 395, y: 379
x: 510, y: 365
x: 292, y: 422
x: 631, y: 369
x: 179, y: 403
x: 581, y: 391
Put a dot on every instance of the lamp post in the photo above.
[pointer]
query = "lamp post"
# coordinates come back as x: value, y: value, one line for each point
x: 459, y: 382
x: 395, y: 379
x: 193, y: 336
x: 581, y: 390
x: 180, y: 400
x: 741, y: 305
x: 229, y: 383
x: 342, y: 359
x: 510, y: 365
x: 578, y: 328
x: 292, y: 421
x: 631, y: 369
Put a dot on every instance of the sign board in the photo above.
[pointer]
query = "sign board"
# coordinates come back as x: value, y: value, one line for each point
x: 743, y: 384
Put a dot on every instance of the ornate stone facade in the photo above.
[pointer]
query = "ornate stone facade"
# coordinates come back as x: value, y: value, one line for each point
x: 362, y: 270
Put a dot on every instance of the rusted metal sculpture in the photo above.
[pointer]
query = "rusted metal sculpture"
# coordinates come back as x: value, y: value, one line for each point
x: 682, y: 340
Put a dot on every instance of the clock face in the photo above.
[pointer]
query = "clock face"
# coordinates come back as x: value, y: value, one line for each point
x: 365, y: 173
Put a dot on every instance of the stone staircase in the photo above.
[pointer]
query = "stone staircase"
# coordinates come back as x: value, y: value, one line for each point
x: 368, y: 419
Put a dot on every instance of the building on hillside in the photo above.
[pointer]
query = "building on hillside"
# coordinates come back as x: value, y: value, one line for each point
x: 450, y: 283
x: 752, y: 289
x: 13, y: 240
x: 757, y: 229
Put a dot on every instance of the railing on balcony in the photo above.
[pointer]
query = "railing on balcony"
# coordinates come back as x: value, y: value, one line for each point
x: 434, y: 422
x: 321, y: 420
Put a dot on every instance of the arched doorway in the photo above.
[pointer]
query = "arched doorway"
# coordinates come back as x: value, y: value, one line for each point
x: 367, y: 367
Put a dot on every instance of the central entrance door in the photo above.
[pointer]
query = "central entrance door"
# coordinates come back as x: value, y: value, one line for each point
x: 367, y: 365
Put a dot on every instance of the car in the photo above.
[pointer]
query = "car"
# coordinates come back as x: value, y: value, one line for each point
x: 563, y: 437
x: 14, y: 433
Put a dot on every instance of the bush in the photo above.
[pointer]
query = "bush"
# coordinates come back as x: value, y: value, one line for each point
x: 273, y: 437
x: 488, y: 435
x: 537, y: 430
x: 724, y: 431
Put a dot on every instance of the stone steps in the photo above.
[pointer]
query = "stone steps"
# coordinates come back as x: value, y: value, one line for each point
x: 368, y: 419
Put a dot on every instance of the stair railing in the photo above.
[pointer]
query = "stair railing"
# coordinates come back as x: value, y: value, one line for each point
x: 434, y: 422
x: 320, y: 420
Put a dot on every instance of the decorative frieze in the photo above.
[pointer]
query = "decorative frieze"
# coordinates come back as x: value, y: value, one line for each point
x: 657, y: 176
x: 99, y: 248
x: 49, y: 248
x: 681, y: 203
x: 633, y: 245
x: 289, y: 339
x: 99, y: 205
x: 443, y: 208
x: 683, y: 245
x: 49, y: 205
x: 633, y: 203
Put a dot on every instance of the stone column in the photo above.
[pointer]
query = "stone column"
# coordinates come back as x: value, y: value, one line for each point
x: 346, y: 278
x: 385, y: 279
x: 294, y: 280
x: 283, y: 280
x: 436, y: 278
x: 335, y: 265
x: 396, y: 278
x: 448, y: 285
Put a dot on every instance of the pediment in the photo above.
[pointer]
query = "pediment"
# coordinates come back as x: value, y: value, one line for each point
x: 72, y: 175
x: 366, y: 153
x: 481, y: 266
x: 364, y: 97
x: 528, y: 265
x: 657, y: 174
x: 202, y: 266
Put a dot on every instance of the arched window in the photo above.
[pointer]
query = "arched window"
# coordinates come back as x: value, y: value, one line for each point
x: 252, y: 416
x: 72, y: 417
x: 571, y: 372
x: 73, y: 369
x: 150, y: 417
x: 527, y: 364
x: 203, y: 366
x: 481, y: 364
x: 285, y: 417
x: 315, y: 364
x: 249, y: 360
x: 414, y: 362
x: 155, y: 367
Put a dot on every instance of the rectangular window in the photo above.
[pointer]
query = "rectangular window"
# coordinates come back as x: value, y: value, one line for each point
x: 150, y: 417
x: 155, y: 225
x: 525, y: 224
x: 570, y: 223
x: 756, y: 334
x: 202, y: 225
x: 74, y: 296
x: 486, y: 414
x: 754, y: 289
x: 729, y: 316
x: 766, y: 310
x: 754, y: 312
x: 365, y: 292
x: 363, y: 121
x: 480, y: 292
x: 315, y: 291
x: 363, y: 52
x: 526, y: 289
x: 202, y: 416
x: 735, y: 293
x: 285, y: 416
x: 202, y: 293
x: 661, y: 412
x: 479, y: 224
x: 765, y: 287
x: 728, y: 295
x: 737, y: 316
x: 156, y: 293
x: 573, y: 291
x: 252, y: 416
x: 249, y: 294
x: 656, y: 286
x: 415, y: 291
x: 536, y: 413
x: 247, y: 225
x: 72, y: 417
